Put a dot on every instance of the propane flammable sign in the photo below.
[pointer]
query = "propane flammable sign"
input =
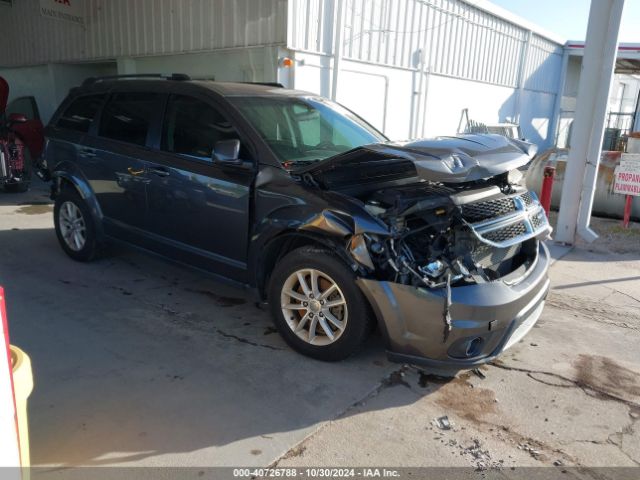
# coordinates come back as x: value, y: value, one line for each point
x: 68, y: 10
x: 627, y: 175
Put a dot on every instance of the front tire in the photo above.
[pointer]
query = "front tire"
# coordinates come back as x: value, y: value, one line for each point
x: 74, y: 226
x: 316, y: 305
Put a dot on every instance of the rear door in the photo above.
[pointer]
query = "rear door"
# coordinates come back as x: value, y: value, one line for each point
x: 198, y: 210
x: 115, y: 154
x: 67, y: 131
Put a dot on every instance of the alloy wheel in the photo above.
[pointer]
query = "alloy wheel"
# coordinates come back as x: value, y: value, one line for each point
x: 314, y: 307
x: 72, y: 226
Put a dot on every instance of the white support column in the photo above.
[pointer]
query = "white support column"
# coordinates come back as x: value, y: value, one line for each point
x: 552, y: 132
x: 337, y: 47
x: 588, y: 127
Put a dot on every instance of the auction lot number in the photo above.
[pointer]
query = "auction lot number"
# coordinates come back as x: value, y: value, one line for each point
x: 314, y: 473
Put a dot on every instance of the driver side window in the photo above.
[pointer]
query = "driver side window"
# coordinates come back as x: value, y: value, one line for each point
x: 192, y: 127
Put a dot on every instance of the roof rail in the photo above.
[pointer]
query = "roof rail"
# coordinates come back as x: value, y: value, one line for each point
x: 173, y: 76
x: 266, y: 84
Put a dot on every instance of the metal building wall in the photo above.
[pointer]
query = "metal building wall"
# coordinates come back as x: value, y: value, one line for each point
x: 427, y: 60
x: 128, y: 28
x: 452, y: 37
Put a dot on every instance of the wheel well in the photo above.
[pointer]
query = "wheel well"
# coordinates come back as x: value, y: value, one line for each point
x: 277, y: 248
x: 64, y: 184
x: 280, y: 246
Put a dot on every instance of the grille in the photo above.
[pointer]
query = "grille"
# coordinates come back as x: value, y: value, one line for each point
x: 477, y: 212
x: 506, y: 233
x: 536, y: 221
x: 480, y: 211
x: 527, y: 198
x: 16, y: 157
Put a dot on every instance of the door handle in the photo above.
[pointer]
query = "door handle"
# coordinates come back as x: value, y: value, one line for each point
x: 159, y: 171
x: 87, y: 152
x: 134, y: 172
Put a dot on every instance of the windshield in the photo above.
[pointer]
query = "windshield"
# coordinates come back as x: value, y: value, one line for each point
x: 302, y: 130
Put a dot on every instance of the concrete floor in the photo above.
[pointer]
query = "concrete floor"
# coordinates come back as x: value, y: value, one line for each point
x: 138, y: 362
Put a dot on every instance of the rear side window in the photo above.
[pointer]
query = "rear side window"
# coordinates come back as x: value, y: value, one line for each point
x: 128, y: 116
x: 82, y: 111
x: 192, y: 127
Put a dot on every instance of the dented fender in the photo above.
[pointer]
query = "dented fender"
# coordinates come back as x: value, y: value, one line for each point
x: 285, y: 209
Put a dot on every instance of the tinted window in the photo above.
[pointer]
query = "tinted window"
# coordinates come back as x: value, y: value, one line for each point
x: 82, y: 111
x: 127, y: 116
x: 192, y: 127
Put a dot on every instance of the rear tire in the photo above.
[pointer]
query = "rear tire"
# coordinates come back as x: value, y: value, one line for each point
x: 327, y: 317
x: 75, y: 227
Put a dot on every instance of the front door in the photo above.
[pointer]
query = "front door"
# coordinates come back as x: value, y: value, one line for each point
x: 114, y: 159
x: 198, y: 210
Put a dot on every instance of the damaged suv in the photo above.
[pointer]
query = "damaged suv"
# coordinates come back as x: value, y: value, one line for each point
x: 435, y: 241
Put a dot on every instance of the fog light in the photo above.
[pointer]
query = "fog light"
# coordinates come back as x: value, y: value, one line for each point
x: 473, y: 347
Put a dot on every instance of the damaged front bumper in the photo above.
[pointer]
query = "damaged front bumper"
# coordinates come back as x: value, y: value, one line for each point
x: 486, y: 318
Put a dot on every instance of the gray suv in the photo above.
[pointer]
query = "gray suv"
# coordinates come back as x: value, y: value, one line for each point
x: 310, y: 207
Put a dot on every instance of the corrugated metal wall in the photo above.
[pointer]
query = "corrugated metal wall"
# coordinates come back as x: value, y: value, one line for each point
x: 453, y: 38
x: 124, y: 28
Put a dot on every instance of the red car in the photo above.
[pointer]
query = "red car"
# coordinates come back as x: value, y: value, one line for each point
x: 21, y: 139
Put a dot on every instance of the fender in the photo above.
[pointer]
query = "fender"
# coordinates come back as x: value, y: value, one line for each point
x: 272, y: 249
x: 302, y: 223
x: 287, y: 209
x: 67, y: 171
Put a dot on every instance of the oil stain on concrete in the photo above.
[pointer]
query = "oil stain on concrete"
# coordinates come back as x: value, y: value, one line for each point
x: 605, y: 375
x: 35, y: 209
x: 460, y: 397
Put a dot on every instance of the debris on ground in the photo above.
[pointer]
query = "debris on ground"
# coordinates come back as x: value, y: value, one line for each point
x: 396, y: 378
x: 479, y: 373
x: 480, y: 458
x: 443, y: 423
x: 528, y: 448
x: 425, y: 378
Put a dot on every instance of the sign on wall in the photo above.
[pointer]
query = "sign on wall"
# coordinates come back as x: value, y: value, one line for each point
x: 627, y: 175
x: 68, y: 10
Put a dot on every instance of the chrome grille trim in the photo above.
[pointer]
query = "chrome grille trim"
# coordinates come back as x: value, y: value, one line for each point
x: 526, y: 221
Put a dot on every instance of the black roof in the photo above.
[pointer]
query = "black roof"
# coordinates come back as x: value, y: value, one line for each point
x: 140, y: 81
x: 246, y: 89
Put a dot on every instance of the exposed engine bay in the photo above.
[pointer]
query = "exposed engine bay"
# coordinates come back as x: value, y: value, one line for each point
x: 454, y: 209
x: 448, y: 235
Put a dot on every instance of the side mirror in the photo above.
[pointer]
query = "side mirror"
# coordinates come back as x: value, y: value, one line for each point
x: 227, y: 152
x: 18, y: 118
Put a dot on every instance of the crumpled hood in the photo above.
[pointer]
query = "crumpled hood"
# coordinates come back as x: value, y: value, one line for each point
x: 459, y: 159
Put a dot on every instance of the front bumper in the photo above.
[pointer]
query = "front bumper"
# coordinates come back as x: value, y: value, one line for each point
x: 486, y: 318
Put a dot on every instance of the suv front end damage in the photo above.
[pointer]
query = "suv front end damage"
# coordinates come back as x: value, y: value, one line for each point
x: 460, y: 272
x: 459, y: 291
